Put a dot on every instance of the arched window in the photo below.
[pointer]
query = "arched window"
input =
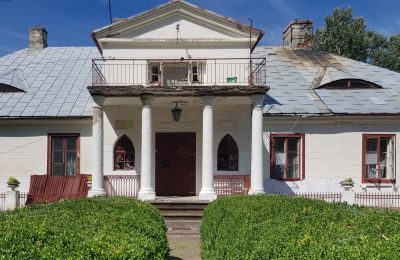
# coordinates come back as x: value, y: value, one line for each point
x: 228, y: 154
x: 124, y: 154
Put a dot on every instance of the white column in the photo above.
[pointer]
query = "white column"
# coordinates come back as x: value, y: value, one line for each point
x: 97, y: 137
x: 147, y: 191
x: 257, y: 180
x: 12, y: 199
x: 207, y: 185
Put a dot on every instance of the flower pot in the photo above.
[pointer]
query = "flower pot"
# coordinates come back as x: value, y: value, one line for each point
x: 347, y: 185
x: 89, y: 185
x: 13, y: 185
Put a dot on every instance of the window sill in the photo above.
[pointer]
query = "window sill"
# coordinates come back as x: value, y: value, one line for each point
x: 378, y: 181
x: 299, y: 179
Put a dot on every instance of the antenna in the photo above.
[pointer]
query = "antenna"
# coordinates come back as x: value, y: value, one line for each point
x: 109, y: 11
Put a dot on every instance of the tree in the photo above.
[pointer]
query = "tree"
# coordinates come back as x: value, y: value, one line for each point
x: 346, y: 35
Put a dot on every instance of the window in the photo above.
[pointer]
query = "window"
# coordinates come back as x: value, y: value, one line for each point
x: 63, y: 155
x: 124, y: 154
x: 195, y: 72
x: 378, y: 158
x: 155, y: 72
x: 228, y: 154
x: 350, y: 84
x: 287, y: 157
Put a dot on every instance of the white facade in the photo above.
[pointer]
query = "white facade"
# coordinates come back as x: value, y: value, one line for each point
x: 332, y: 145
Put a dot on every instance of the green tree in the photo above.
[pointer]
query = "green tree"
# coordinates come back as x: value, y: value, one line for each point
x: 348, y: 36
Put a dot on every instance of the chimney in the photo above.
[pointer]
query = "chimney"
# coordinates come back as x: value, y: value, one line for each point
x: 37, y: 37
x: 298, y: 34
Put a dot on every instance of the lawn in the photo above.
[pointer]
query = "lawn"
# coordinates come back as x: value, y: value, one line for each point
x: 282, y: 227
x: 106, y: 228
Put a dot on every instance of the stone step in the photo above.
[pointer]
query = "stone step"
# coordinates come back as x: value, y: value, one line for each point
x: 183, y: 227
x: 182, y: 214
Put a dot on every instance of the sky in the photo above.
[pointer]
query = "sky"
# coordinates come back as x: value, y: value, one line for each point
x: 69, y: 22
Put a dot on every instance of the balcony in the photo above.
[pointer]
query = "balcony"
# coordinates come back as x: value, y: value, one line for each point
x: 177, y: 75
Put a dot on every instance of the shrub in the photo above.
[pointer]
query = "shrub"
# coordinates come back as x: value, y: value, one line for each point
x: 271, y: 227
x: 106, y: 228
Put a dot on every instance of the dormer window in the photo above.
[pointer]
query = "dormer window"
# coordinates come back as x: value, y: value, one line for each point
x: 9, y: 88
x: 350, y: 84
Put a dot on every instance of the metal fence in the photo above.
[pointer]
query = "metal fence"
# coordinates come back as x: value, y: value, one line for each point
x: 179, y: 72
x: 23, y: 197
x: 378, y: 200
x: 232, y: 185
x: 122, y: 185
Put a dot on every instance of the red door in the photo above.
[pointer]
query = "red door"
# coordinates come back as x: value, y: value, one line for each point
x: 175, y: 164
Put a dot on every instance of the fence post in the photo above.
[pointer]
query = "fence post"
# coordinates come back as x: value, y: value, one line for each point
x: 348, y: 196
x: 12, y: 199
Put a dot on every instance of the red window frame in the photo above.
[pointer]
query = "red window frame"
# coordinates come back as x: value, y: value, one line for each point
x: 363, y: 166
x: 301, y: 153
x: 49, y: 151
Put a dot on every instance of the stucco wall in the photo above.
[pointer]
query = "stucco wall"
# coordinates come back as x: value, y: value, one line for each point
x: 23, y: 147
x: 333, y: 152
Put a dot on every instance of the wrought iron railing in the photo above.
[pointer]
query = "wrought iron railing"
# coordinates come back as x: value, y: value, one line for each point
x: 179, y: 72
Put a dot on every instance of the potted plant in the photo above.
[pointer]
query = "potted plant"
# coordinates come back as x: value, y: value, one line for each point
x: 347, y: 184
x: 12, y: 183
x: 89, y: 181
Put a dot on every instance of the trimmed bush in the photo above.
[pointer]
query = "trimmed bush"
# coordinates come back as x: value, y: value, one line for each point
x: 272, y: 227
x: 106, y: 228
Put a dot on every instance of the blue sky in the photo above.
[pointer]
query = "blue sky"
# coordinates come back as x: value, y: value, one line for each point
x: 69, y: 22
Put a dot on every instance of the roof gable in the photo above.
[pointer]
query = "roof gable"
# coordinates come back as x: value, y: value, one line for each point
x: 161, y: 23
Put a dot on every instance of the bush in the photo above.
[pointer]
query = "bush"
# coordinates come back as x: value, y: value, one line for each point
x: 106, y: 228
x: 271, y: 227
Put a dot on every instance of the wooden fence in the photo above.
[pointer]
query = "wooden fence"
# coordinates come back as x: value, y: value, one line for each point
x: 47, y: 188
x: 231, y: 185
x: 326, y: 196
x: 122, y: 185
x: 378, y: 200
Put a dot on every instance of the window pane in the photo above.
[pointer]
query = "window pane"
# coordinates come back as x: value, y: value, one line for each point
x: 58, y: 170
x: 71, y: 143
x: 292, y: 144
x: 279, y: 144
x: 64, y: 155
x: 372, y: 144
x: 71, y: 163
x: 293, y: 171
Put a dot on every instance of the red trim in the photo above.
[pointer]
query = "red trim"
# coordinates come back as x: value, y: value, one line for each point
x: 49, y: 152
x: 376, y: 180
x: 301, y: 152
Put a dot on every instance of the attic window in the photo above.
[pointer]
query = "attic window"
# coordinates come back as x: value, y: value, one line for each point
x: 349, y: 84
x: 9, y: 88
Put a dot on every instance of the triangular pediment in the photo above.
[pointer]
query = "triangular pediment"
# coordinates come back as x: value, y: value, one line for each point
x: 162, y: 22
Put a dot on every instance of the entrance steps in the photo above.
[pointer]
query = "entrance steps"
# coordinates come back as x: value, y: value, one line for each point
x: 181, y: 216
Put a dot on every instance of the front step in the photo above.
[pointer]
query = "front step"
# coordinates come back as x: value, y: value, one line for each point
x: 181, y: 210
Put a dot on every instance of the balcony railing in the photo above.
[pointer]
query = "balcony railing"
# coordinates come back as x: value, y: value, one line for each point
x: 179, y: 72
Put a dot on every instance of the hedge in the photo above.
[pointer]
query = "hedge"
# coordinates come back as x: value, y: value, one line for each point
x: 283, y: 227
x: 106, y: 228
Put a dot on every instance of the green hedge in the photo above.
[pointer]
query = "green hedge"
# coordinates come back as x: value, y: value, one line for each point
x: 272, y: 227
x: 106, y: 228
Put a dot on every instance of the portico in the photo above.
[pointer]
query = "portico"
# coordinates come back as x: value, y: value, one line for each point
x: 204, y: 116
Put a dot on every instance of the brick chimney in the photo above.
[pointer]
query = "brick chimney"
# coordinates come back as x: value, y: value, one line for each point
x: 37, y: 37
x: 298, y: 34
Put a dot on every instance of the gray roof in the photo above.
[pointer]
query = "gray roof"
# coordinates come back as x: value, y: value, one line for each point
x: 54, y: 80
x: 294, y: 76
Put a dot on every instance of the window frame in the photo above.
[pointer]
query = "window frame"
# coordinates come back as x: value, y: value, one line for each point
x: 237, y: 150
x: 50, y: 152
x: 133, y: 153
x: 301, y: 154
x: 364, y: 179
